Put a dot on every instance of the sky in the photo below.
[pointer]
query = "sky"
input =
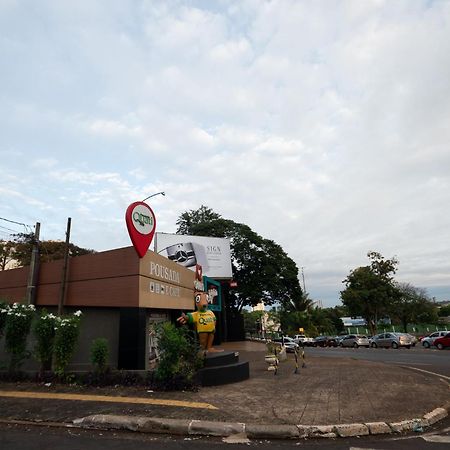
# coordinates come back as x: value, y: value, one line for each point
x: 323, y: 125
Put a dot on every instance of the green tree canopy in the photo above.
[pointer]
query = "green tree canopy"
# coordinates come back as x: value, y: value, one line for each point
x: 19, y: 250
x: 444, y: 311
x: 412, y: 305
x: 370, y: 289
x: 263, y: 271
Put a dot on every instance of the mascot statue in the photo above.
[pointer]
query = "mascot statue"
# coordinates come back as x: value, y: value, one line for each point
x: 204, y: 322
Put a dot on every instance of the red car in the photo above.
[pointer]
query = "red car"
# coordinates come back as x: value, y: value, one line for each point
x: 442, y: 342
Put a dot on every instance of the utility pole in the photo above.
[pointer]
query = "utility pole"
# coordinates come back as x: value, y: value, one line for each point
x: 64, y: 271
x: 303, y: 277
x: 34, y: 267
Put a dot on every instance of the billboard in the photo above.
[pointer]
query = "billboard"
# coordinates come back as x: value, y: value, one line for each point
x: 353, y: 321
x: 212, y: 253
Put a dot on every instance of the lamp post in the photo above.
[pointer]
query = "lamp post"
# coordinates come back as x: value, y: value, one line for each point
x: 153, y: 195
x: 303, y: 276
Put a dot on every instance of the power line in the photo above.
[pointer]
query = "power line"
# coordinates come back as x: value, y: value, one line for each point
x: 8, y: 229
x: 13, y: 221
x: 28, y: 228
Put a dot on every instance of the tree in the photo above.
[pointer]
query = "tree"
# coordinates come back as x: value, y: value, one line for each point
x: 412, y: 305
x: 444, y: 311
x: 370, y: 289
x: 189, y: 219
x: 20, y: 249
x: 263, y: 271
x: 6, y: 253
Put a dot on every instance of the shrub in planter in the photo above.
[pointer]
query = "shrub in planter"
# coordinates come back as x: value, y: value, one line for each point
x: 99, y: 354
x: 179, y: 357
x: 66, y: 337
x: 44, y: 330
x: 17, y: 328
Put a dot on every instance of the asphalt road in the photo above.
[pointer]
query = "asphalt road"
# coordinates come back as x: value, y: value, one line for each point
x: 430, y: 360
x: 23, y: 437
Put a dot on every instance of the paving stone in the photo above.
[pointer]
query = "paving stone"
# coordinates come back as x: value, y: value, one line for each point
x: 434, y: 416
x: 404, y: 425
x: 351, y: 429
x: 209, y: 428
x: 324, y: 431
x: 259, y: 431
x: 162, y: 425
x: 378, y: 427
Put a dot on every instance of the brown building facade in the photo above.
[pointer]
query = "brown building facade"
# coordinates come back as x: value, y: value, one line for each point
x: 120, y: 295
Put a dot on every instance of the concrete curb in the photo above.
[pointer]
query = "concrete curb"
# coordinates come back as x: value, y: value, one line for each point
x: 257, y: 431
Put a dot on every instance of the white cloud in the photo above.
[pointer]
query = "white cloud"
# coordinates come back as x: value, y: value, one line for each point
x: 324, y: 126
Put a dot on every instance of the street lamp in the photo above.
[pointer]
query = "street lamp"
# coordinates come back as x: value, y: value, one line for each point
x: 303, y: 276
x: 153, y: 195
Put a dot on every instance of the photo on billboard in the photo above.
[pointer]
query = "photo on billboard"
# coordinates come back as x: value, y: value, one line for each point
x: 212, y: 253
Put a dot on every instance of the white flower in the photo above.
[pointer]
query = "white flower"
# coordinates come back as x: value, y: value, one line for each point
x: 77, y: 313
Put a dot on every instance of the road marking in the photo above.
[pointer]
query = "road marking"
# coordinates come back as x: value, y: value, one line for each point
x: 427, y: 371
x: 435, y: 438
x: 363, y: 448
x: 104, y: 398
x: 402, y: 363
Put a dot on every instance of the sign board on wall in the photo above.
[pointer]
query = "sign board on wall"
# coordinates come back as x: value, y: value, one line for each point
x: 214, y: 291
x: 213, y: 254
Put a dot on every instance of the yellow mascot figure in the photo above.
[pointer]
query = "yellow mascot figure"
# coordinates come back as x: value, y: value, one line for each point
x: 204, y: 322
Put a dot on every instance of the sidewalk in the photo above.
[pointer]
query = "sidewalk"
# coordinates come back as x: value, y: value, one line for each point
x: 329, y: 391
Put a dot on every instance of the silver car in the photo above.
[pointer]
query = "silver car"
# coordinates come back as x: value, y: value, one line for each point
x: 394, y: 340
x: 428, y: 341
x: 354, y: 340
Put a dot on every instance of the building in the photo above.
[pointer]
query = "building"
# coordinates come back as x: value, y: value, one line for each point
x: 121, y: 296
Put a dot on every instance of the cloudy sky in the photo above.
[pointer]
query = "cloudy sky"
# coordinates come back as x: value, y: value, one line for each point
x: 323, y: 125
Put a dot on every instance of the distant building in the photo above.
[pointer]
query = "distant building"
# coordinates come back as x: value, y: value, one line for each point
x: 267, y: 325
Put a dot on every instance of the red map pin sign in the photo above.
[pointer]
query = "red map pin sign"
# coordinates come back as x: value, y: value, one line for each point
x: 141, y: 224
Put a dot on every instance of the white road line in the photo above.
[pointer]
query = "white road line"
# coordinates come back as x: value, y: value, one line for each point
x: 436, y: 438
x: 363, y: 448
x: 427, y: 371
x: 402, y: 363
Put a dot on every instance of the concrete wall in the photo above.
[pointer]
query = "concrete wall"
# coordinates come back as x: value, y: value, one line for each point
x: 95, y: 323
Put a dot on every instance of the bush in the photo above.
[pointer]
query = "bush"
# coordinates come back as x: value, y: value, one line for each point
x: 17, y: 328
x: 66, y: 336
x: 180, y: 360
x: 99, y: 354
x: 44, y: 330
x: 3, y: 313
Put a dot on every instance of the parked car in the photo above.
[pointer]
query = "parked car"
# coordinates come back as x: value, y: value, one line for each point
x: 394, y: 340
x: 325, y: 341
x: 414, y: 339
x: 301, y: 339
x: 288, y: 342
x: 339, y: 338
x: 429, y: 340
x: 442, y: 342
x: 355, y: 340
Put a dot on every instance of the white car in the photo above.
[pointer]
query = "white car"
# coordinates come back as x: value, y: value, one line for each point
x: 301, y: 339
x: 428, y: 341
x: 288, y: 342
